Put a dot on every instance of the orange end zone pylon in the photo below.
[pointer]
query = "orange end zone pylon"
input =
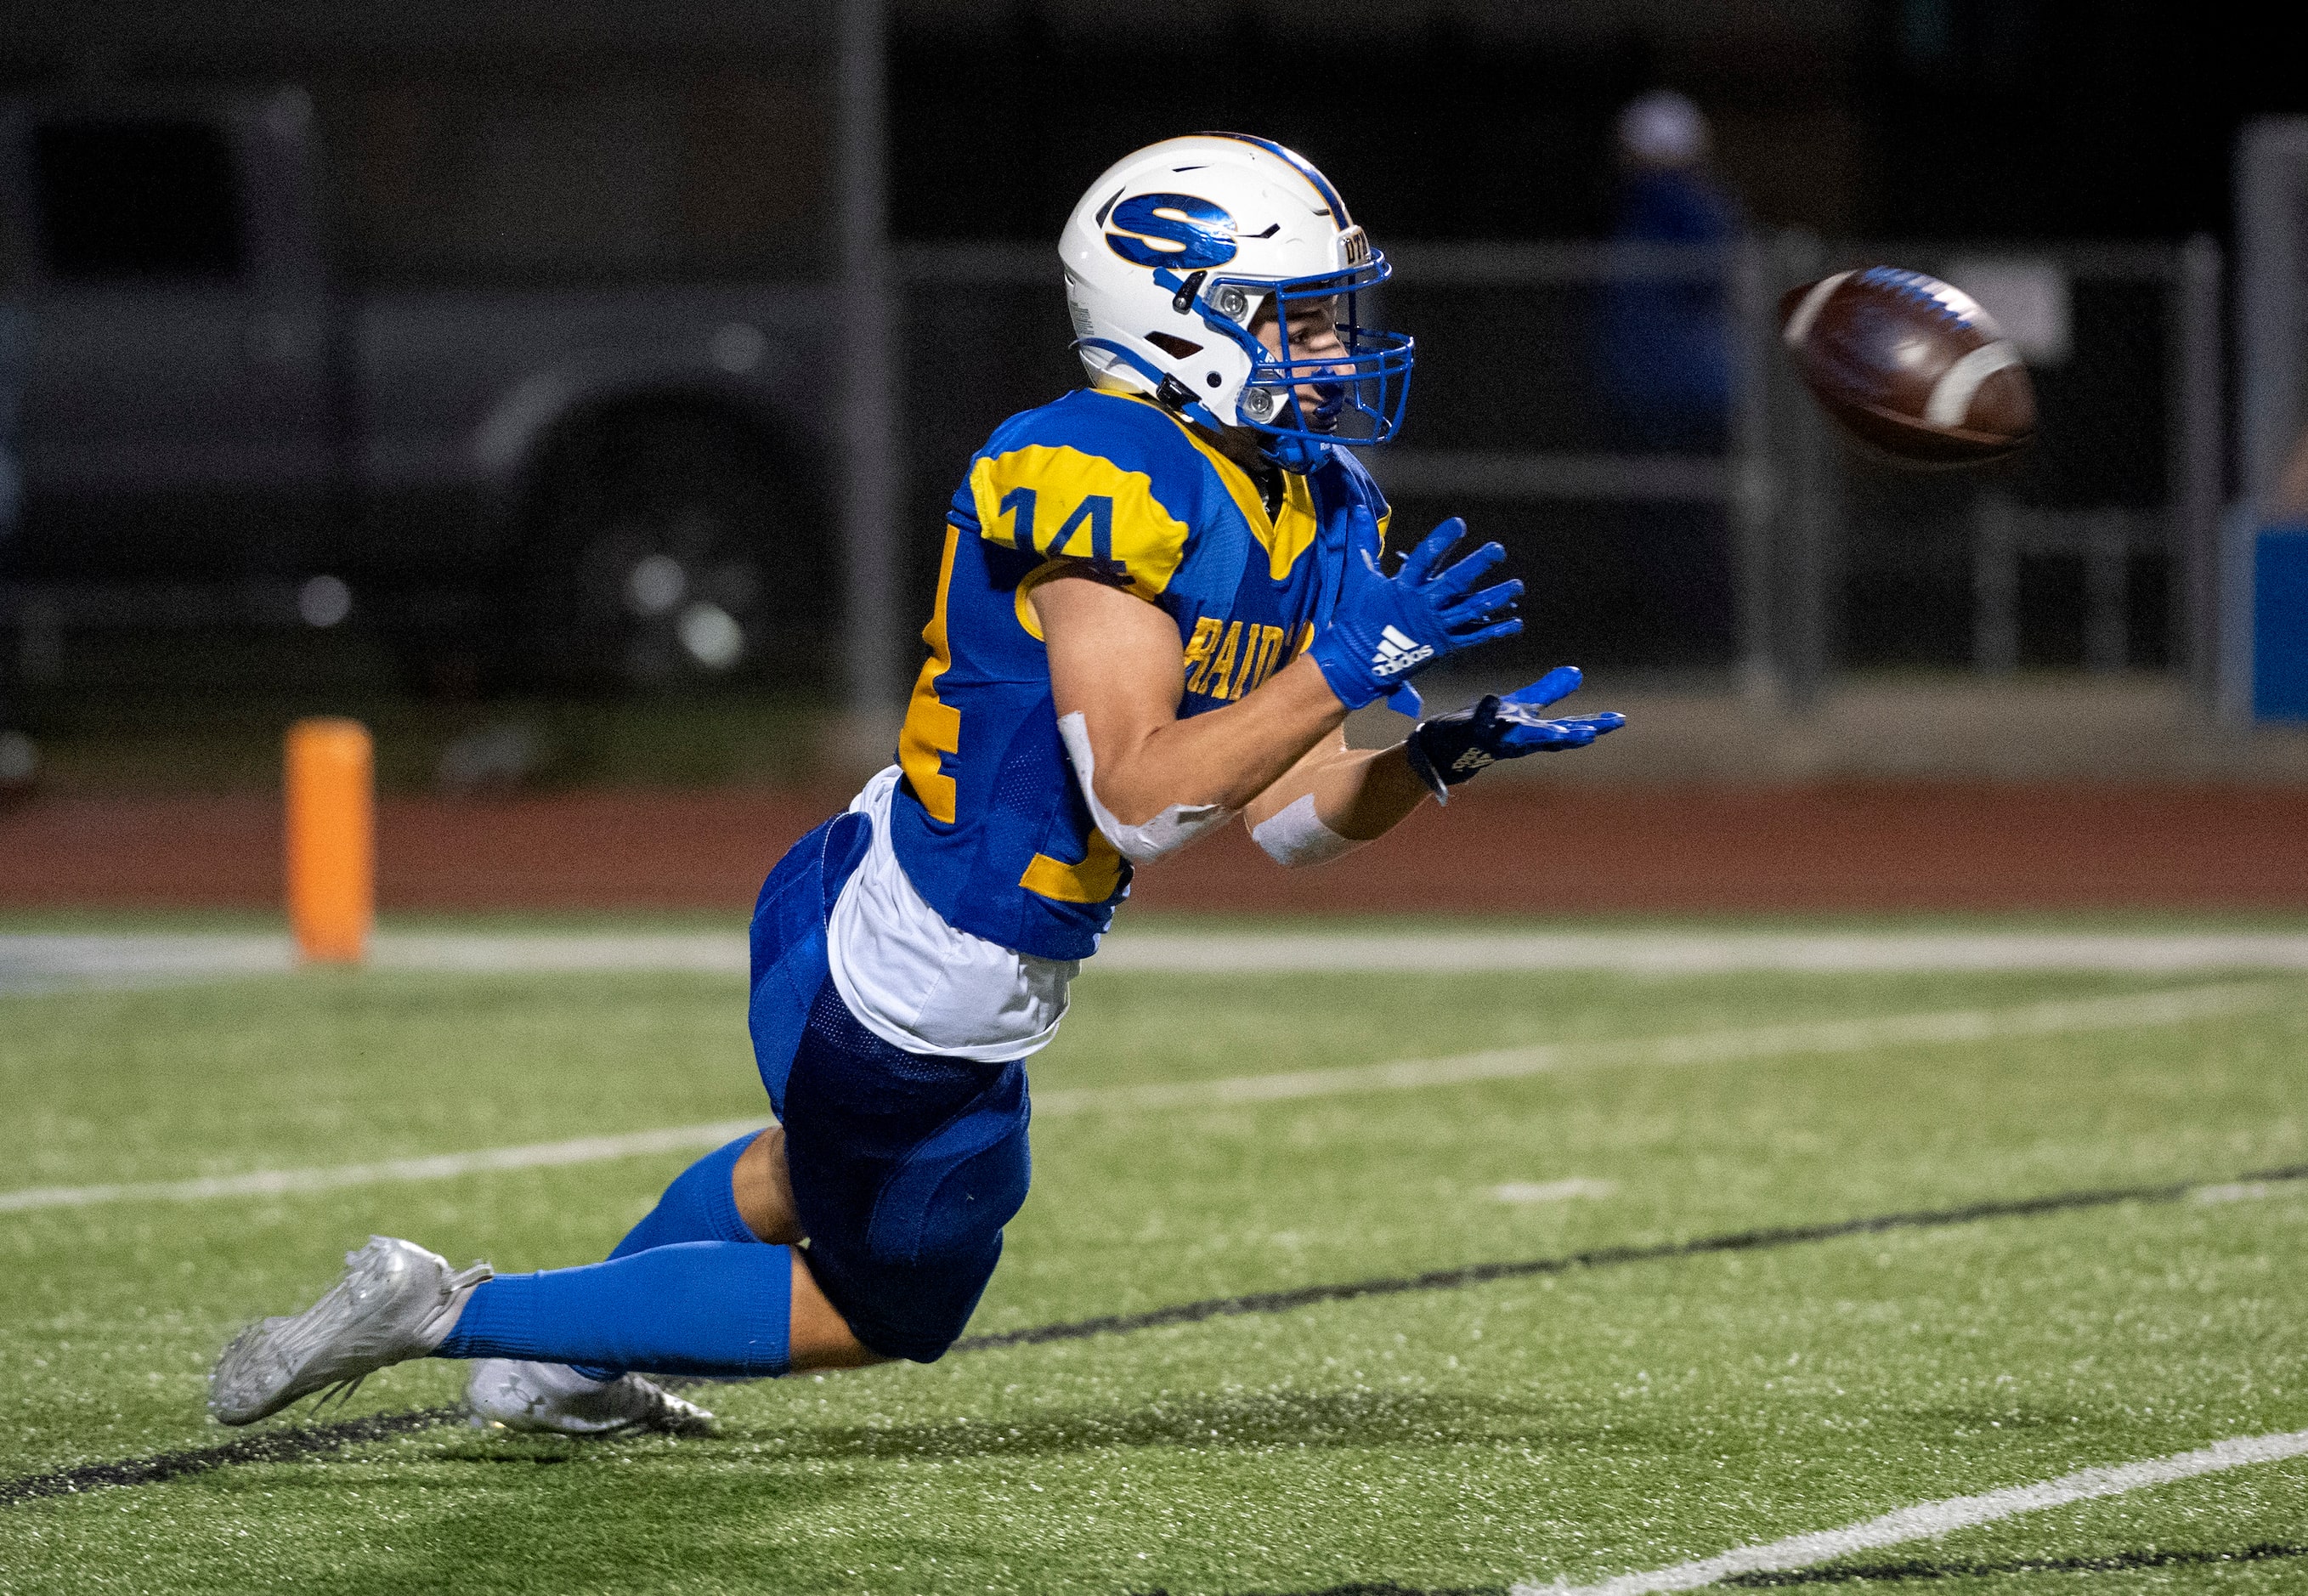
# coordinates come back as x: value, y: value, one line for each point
x: 332, y: 839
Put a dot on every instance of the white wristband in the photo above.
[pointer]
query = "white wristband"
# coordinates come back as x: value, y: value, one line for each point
x: 1297, y: 836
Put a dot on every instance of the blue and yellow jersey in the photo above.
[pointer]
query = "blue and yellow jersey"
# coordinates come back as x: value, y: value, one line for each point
x: 990, y: 822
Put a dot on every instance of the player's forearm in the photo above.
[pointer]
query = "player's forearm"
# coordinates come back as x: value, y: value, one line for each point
x: 1223, y: 759
x: 1358, y: 794
x: 1368, y: 795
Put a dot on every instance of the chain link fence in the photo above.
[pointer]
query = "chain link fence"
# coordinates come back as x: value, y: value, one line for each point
x: 2094, y: 550
x: 1749, y: 545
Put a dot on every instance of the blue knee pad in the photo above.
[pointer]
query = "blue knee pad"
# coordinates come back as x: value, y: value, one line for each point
x: 905, y: 1167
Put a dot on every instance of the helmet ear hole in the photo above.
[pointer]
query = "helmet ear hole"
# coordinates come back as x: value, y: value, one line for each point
x: 1178, y: 349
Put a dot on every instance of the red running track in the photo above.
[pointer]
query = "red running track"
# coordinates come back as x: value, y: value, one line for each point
x: 1511, y: 848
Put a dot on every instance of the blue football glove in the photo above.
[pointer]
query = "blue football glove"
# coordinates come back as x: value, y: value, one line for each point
x: 1455, y: 747
x: 1385, y: 628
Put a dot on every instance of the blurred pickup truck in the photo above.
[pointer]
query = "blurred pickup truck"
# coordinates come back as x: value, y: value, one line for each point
x: 574, y: 486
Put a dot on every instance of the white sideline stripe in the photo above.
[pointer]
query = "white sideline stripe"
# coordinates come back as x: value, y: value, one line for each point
x: 1939, y: 1518
x: 46, y: 962
x: 704, y: 953
x: 34, y: 964
x: 1707, y: 1046
x: 1715, y: 1047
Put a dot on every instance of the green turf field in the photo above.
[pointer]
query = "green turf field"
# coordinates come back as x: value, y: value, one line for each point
x: 1648, y: 1409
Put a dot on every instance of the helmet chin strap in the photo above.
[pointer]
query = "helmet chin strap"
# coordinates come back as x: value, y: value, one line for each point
x: 1167, y: 389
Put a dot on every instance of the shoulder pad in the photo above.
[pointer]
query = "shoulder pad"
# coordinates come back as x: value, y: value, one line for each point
x: 1093, y: 477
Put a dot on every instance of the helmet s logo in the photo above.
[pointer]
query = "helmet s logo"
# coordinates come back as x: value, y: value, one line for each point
x: 1171, y: 229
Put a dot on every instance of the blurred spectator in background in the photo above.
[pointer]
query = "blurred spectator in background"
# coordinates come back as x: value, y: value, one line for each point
x: 1667, y: 344
x: 2291, y: 505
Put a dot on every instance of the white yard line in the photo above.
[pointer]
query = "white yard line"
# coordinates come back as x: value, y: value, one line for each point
x: 1553, y: 1191
x: 1702, y: 1047
x: 1939, y: 1518
x: 43, y: 962
x: 1713, y: 1047
x: 2240, y: 1191
x: 1668, y: 954
x: 446, y: 1166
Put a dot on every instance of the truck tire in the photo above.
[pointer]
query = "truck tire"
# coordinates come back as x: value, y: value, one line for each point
x: 669, y: 551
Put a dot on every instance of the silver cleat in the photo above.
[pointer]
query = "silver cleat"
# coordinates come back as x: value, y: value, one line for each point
x: 397, y: 1301
x: 555, y: 1398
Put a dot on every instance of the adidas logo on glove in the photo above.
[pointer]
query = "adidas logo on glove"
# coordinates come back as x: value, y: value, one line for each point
x: 1398, y: 653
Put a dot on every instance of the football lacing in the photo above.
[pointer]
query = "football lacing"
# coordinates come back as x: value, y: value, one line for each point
x: 1916, y: 289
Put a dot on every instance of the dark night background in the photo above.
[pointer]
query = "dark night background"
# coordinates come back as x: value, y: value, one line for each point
x: 1935, y: 117
x: 2016, y: 118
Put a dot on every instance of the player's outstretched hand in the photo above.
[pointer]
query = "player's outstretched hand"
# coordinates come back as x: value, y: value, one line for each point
x: 1455, y: 747
x: 1385, y: 628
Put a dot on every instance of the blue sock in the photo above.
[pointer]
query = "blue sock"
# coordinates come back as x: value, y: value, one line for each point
x: 696, y: 1307
x: 698, y: 1206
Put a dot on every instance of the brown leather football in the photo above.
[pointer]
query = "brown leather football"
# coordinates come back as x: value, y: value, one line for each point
x: 1910, y: 365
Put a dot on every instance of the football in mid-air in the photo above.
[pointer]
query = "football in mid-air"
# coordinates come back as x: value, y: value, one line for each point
x: 1910, y: 365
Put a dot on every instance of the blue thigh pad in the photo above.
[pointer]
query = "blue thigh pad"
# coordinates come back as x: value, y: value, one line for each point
x: 905, y: 1168
x: 789, y: 942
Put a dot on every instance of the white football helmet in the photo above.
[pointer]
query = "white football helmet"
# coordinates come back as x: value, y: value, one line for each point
x: 1168, y: 258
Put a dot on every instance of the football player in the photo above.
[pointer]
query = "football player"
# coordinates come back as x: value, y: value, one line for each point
x: 1158, y: 600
